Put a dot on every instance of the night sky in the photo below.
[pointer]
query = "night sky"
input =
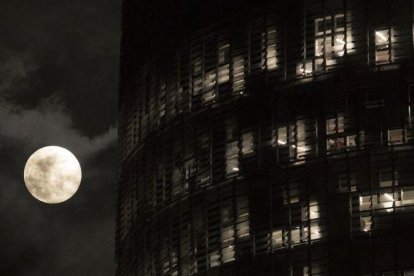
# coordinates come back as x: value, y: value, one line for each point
x: 58, y: 86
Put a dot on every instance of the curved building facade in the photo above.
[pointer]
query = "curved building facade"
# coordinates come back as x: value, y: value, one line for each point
x: 266, y: 138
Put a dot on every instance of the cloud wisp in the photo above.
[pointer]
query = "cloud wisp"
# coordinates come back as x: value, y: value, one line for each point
x: 49, y: 124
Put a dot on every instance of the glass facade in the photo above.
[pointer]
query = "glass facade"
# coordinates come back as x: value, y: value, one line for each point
x: 266, y: 139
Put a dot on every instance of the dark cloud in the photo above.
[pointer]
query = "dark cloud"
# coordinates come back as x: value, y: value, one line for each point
x: 49, y: 124
x: 58, y: 86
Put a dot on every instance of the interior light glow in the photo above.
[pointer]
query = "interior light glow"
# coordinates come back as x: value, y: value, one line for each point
x: 389, y: 197
x: 381, y: 36
x: 340, y: 41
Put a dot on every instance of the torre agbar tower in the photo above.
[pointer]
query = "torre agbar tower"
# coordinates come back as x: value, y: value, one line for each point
x: 266, y: 138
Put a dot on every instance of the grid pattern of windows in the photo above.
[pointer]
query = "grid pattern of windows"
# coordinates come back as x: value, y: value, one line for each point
x: 214, y: 67
x: 277, y: 141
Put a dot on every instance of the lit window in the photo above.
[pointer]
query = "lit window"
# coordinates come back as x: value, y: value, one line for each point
x: 295, y: 140
x: 247, y: 143
x: 243, y: 225
x: 223, y: 54
x: 351, y: 141
x: 306, y: 271
x: 382, y: 46
x: 315, y: 233
x: 223, y: 63
x: 209, y: 86
x: 227, y: 234
x: 329, y: 40
x: 228, y: 254
x: 197, y: 78
x: 295, y: 235
x: 282, y: 136
x: 407, y: 195
x: 386, y: 200
x: 277, y: 239
x: 365, y: 223
x: 335, y: 125
x: 301, y: 148
x: 232, y: 148
x: 365, y: 203
x: 270, y: 48
x: 313, y: 210
x: 232, y: 157
x: 409, y: 272
x: 395, y: 136
x: 238, y: 74
x: 197, y: 85
x: 335, y: 134
x: 304, y: 69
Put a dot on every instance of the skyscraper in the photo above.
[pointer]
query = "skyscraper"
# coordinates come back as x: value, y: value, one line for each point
x: 266, y: 138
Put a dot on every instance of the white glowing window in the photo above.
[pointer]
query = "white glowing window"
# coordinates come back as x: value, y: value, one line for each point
x: 247, y: 143
x: 228, y: 254
x: 335, y: 125
x: 365, y: 223
x: 223, y: 74
x: 210, y: 79
x: 313, y: 210
x: 386, y: 201
x: 304, y: 69
x: 315, y: 232
x: 242, y: 213
x: 214, y: 258
x: 293, y: 139
x: 395, y: 136
x: 329, y: 41
x: 407, y: 196
x: 295, y: 235
x: 277, y: 239
x: 223, y: 53
x: 365, y: 203
x: 209, y: 86
x: 382, y: 46
x: 351, y: 141
x: 238, y: 74
x: 301, y: 147
x: 223, y: 63
x: 232, y: 157
x: 306, y: 271
x: 282, y: 136
x: 197, y: 85
x: 335, y: 138
x: 336, y: 143
x: 270, y: 48
x: 339, y: 45
x: 409, y: 272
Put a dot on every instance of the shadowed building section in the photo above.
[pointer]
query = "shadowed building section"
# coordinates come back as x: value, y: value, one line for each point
x: 266, y: 138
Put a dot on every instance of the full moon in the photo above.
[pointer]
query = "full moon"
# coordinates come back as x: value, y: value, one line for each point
x: 52, y: 174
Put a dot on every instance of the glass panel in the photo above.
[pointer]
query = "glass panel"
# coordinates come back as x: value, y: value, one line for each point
x: 382, y: 51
